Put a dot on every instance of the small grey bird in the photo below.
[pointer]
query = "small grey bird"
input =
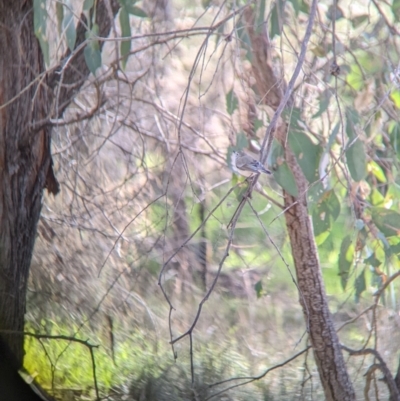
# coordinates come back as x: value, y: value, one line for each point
x: 244, y: 162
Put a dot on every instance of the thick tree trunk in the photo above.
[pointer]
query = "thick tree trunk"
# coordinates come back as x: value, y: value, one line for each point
x: 324, y: 340
x: 25, y: 159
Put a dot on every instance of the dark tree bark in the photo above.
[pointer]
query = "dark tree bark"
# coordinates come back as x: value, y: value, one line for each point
x: 25, y: 153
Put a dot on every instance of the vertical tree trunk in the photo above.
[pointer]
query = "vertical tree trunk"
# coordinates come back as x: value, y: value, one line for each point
x: 24, y: 160
x: 324, y: 340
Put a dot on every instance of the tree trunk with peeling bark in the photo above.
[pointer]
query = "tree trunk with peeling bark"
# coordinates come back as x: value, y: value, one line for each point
x: 323, y: 337
x: 26, y: 106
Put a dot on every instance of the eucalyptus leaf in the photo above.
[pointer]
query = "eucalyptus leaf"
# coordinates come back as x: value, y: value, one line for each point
x: 306, y: 153
x: 346, y: 257
x: 125, y: 33
x: 388, y: 221
x: 326, y: 212
x: 40, y: 17
x: 359, y: 285
x: 68, y: 24
x: 231, y: 102
x: 92, y: 50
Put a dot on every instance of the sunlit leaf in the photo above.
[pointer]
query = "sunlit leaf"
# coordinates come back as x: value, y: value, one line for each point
x: 376, y: 198
x: 388, y: 221
x: 231, y: 102
x: 346, y: 257
x: 377, y: 171
x: 68, y: 24
x: 325, y: 212
x: 125, y: 33
x: 319, y: 51
x: 355, y: 78
x: 359, y: 285
x: 395, y: 96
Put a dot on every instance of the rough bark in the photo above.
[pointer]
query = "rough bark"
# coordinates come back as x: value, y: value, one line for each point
x: 25, y: 158
x: 327, y: 351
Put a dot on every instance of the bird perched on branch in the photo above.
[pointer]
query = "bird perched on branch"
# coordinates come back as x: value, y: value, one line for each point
x: 244, y: 162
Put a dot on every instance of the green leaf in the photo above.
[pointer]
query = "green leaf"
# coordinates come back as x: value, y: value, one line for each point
x: 87, y: 5
x: 332, y: 136
x: 136, y: 11
x: 306, y: 153
x: 326, y: 212
x: 241, y: 141
x: 282, y: 174
x: 396, y: 9
x: 376, y: 198
x: 60, y: 16
x: 360, y: 286
x: 355, y: 154
x: 372, y: 261
x: 394, y: 130
x: 276, y: 21
x: 39, y: 23
x: 125, y: 32
x: 357, y: 160
x: 324, y: 100
x: 92, y: 50
x: 231, y: 102
x: 357, y: 21
x: 296, y: 6
x: 284, y: 177
x: 377, y: 171
x: 388, y: 221
x: 346, y: 257
x: 260, y: 17
x: 395, y: 96
x: 68, y: 24
x: 331, y: 12
x: 259, y: 289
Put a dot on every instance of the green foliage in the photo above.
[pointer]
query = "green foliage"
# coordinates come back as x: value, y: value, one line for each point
x: 277, y: 18
x: 355, y: 154
x: 92, y: 50
x: 326, y: 212
x: 346, y: 257
x: 232, y: 102
x: 282, y: 174
x: 68, y: 24
x: 39, y: 23
x: 126, y: 32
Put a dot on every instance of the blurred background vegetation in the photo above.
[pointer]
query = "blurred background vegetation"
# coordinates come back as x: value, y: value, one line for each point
x: 145, y: 162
